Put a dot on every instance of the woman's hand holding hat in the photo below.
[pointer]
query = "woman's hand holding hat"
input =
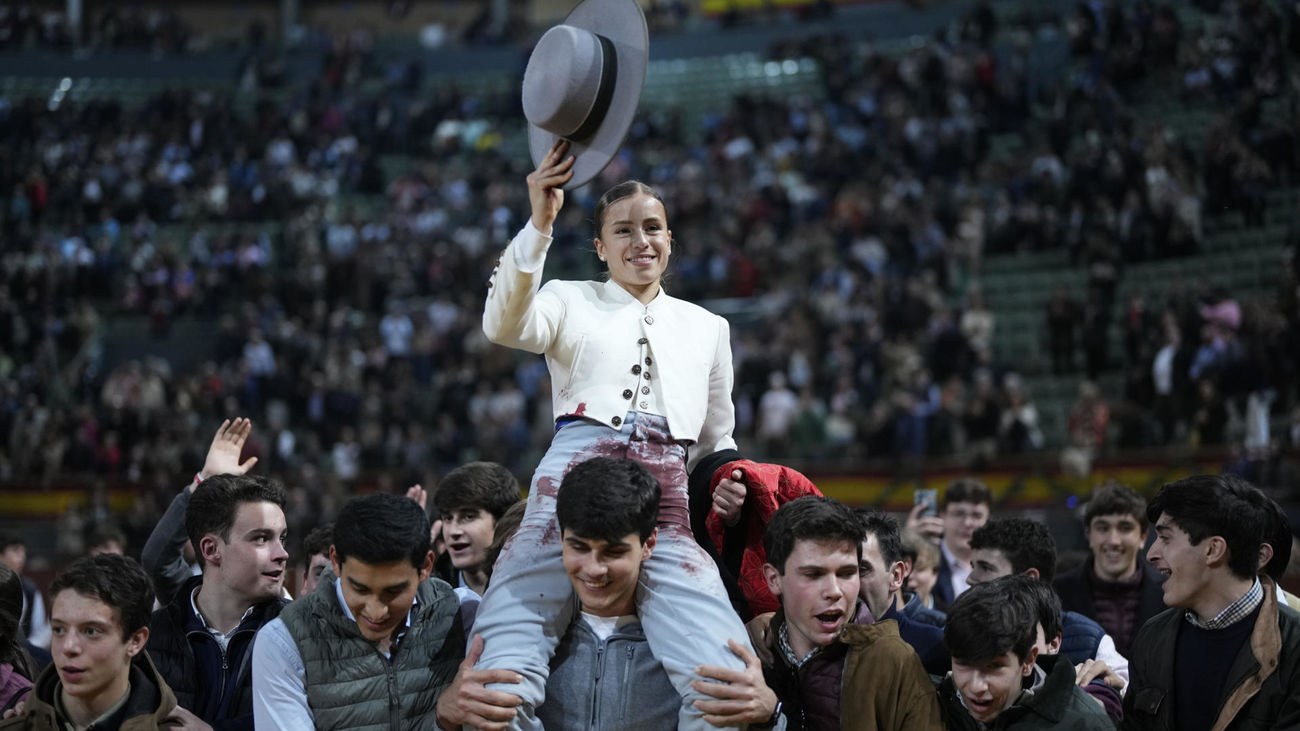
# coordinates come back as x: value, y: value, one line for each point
x: 544, y: 185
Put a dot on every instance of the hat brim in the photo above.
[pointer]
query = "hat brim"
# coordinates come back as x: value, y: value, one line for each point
x: 623, y: 23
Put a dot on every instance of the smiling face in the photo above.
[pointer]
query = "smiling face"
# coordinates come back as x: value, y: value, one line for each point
x: 468, y: 533
x: 987, y: 564
x: 818, y: 591
x: 991, y: 687
x: 1184, y: 564
x: 252, y: 562
x: 379, y: 595
x: 1115, y: 541
x: 604, y: 574
x: 90, y: 654
x: 635, y: 241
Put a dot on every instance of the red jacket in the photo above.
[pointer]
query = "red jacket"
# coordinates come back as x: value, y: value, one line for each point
x: 769, y: 487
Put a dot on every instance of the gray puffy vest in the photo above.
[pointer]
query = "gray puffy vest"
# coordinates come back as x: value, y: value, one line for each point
x: 351, y: 685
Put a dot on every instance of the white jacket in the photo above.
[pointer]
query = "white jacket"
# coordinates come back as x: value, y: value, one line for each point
x: 596, y: 337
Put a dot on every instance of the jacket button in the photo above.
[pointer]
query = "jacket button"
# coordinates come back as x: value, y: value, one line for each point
x: 649, y: 320
x: 647, y: 375
x: 616, y: 420
x: 642, y: 341
x: 489, y: 284
x: 627, y: 393
x: 636, y: 370
x: 644, y: 405
x: 648, y: 361
x: 645, y: 390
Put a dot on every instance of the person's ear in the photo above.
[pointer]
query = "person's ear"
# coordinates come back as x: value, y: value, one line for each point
x: 136, y: 642
x: 1033, y: 572
x: 1216, y: 550
x: 1028, y: 666
x: 428, y: 566
x: 773, y: 579
x: 1265, y: 555
x: 897, y: 575
x: 650, y: 545
x: 600, y: 248
x: 1055, y: 645
x: 334, y: 563
x: 210, y: 549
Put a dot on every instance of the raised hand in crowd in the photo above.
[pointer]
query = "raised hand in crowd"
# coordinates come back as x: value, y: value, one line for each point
x: 468, y: 702
x: 742, y: 696
x: 930, y: 526
x: 223, y: 454
x: 419, y: 495
x: 729, y: 498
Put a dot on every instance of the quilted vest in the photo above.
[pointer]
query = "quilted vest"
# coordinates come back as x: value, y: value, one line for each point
x: 351, y: 685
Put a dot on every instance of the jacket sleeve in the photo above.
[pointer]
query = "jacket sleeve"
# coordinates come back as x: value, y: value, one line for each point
x: 720, y: 419
x: 519, y: 312
x: 163, y: 556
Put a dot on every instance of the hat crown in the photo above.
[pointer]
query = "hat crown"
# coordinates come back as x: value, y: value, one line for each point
x: 563, y: 79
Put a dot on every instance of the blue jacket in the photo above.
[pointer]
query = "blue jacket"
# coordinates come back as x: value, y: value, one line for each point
x: 1080, y: 637
x: 926, y: 639
x: 215, y: 686
x: 914, y: 610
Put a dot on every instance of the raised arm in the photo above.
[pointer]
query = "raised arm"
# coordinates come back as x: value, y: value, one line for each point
x: 163, y: 556
x: 517, y: 314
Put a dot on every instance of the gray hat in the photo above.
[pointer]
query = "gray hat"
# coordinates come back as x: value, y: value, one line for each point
x: 584, y: 81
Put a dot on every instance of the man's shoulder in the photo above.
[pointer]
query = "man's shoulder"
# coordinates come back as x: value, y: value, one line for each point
x: 879, y: 642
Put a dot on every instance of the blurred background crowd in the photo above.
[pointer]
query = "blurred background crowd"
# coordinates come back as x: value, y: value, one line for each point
x: 1039, y: 234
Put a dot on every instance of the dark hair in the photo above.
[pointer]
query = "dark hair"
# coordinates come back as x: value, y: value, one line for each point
x: 619, y: 192
x: 1113, y: 498
x: 114, y: 579
x: 8, y: 539
x: 215, y: 504
x: 504, y: 530
x: 989, y: 620
x: 1045, y: 599
x: 484, y: 485
x: 11, y: 613
x: 1216, y: 505
x: 966, y: 490
x: 607, y: 498
x: 1279, y: 536
x: 380, y: 529
x: 811, y: 518
x: 105, y: 533
x: 1026, y: 544
x: 887, y: 532
x: 318, y: 540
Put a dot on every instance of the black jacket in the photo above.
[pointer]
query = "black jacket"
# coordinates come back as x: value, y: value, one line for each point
x: 215, y: 686
x: 1057, y: 704
x: 1263, y: 687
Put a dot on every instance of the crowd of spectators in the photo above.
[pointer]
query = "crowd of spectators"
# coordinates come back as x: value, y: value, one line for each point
x: 342, y: 307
